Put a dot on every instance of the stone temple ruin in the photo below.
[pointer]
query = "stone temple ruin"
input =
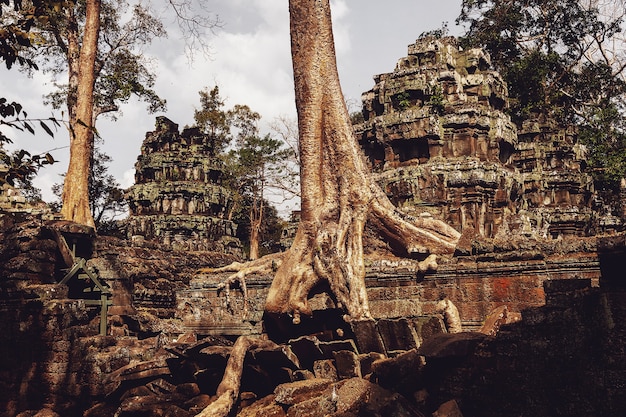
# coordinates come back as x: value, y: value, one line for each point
x: 178, y: 199
x: 536, y: 280
x: 436, y: 133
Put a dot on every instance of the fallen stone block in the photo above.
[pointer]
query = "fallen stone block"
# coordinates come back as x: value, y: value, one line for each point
x: 295, y: 392
x: 358, y: 396
x: 450, y: 345
x: 348, y: 364
x: 448, y: 409
x: 404, y: 370
x: 307, y: 349
x: 265, y: 407
x: 367, y: 337
x: 398, y: 334
x: 366, y: 361
x: 325, y: 369
x: 318, y: 406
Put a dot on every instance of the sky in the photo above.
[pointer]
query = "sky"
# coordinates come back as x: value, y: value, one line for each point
x: 250, y: 61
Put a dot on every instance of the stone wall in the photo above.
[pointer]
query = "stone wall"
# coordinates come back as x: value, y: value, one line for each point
x: 52, y: 356
x: 563, y: 359
x: 482, y: 277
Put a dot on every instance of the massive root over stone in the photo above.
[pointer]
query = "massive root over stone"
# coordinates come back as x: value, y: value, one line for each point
x: 337, y: 191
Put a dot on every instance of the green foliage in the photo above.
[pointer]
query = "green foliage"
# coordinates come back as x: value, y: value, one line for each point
x: 257, y: 163
x: 558, y: 59
x: 437, y: 99
x: 436, y: 33
x: 539, y: 47
x: 253, y: 164
x: 403, y: 100
x: 16, y: 23
x: 606, y: 148
x: 259, y: 160
x: 271, y: 227
x: 212, y: 119
x: 356, y: 117
x: 122, y: 69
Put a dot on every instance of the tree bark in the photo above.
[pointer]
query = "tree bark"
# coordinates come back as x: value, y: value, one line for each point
x: 256, y: 219
x: 75, y: 196
x: 337, y: 191
x: 338, y: 197
x: 338, y: 194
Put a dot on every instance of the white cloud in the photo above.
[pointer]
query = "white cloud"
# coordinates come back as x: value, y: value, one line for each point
x: 251, y: 63
x: 128, y: 178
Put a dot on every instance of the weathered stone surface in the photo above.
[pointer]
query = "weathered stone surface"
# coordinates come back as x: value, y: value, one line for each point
x: 325, y: 369
x: 12, y: 201
x: 294, y: 392
x: 448, y: 409
x: 177, y: 198
x: 498, y: 318
x: 264, y: 407
x: 367, y: 337
x: 404, y: 369
x: 348, y: 364
x: 362, y: 397
x: 318, y: 406
x: 398, y: 334
x: 559, y: 355
x: 452, y: 345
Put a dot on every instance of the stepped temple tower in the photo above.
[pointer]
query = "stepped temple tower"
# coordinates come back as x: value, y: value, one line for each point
x: 178, y: 199
x: 437, y: 136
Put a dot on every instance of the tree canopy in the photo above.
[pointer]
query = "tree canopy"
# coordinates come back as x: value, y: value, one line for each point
x: 121, y: 68
x: 563, y: 60
x: 15, y: 42
x: 253, y: 163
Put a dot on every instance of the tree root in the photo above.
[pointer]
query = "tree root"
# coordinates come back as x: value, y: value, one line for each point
x: 265, y: 265
x: 228, y: 390
x: 451, y: 316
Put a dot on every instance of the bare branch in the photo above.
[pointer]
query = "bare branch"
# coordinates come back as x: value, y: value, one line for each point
x: 195, y: 26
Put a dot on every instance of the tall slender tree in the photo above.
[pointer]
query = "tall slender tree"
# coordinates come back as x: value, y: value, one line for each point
x: 71, y: 31
x: 337, y: 191
x: 76, y: 186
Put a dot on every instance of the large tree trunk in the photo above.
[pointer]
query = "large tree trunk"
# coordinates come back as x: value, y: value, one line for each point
x: 75, y: 196
x: 338, y: 195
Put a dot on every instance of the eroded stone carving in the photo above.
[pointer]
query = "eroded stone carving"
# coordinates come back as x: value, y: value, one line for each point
x: 178, y: 198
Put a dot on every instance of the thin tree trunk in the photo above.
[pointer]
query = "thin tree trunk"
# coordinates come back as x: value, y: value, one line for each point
x: 75, y: 196
x: 256, y: 218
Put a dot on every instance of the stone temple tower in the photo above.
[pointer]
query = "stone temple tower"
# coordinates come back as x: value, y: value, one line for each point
x: 178, y: 199
x: 437, y: 135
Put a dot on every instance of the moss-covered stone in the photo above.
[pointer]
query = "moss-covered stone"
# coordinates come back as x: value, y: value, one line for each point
x: 178, y: 199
